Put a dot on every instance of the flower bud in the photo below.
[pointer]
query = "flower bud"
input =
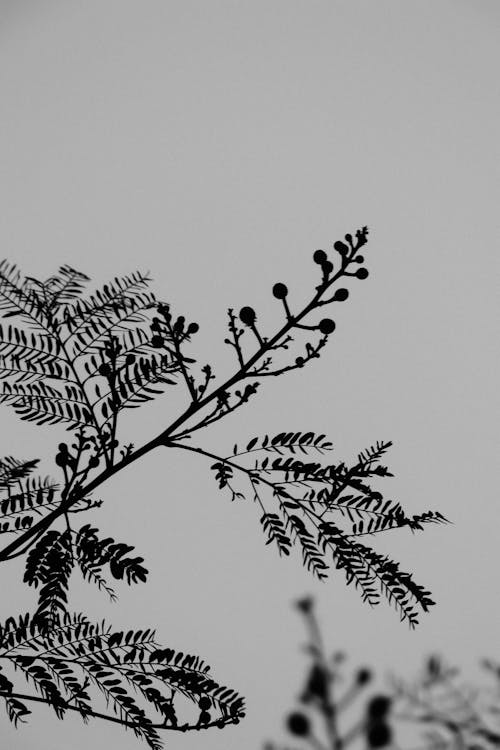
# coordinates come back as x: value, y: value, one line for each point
x: 298, y: 724
x: 192, y: 328
x: 179, y: 324
x: 157, y: 342
x: 280, y: 291
x: 320, y: 257
x: 104, y: 369
x: 363, y: 676
x: 379, y: 735
x: 362, y: 273
x: 341, y: 295
x: 327, y: 267
x: 379, y: 706
x: 326, y: 326
x: 248, y: 316
x: 341, y: 247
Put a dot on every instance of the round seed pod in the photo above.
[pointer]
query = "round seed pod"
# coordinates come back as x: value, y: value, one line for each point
x: 379, y: 735
x: 326, y: 326
x: 320, y: 257
x: 248, y: 316
x: 298, y: 724
x: 327, y: 267
x: 341, y: 295
x: 379, y: 706
x: 280, y: 291
x: 363, y: 676
x: 341, y: 247
x: 362, y: 273
x: 104, y: 369
x: 193, y: 328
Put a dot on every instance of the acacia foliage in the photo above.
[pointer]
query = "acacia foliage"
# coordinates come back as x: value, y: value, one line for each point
x: 325, y: 509
x: 139, y: 679
x: 80, y: 362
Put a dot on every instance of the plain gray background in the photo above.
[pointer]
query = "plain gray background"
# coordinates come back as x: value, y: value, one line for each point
x: 217, y: 145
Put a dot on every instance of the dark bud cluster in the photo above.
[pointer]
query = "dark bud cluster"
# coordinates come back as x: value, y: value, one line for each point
x: 165, y: 330
x: 317, y: 685
x: 157, y: 341
x: 164, y: 311
x: 62, y: 457
x: 341, y: 248
x: 378, y: 731
x: 321, y: 258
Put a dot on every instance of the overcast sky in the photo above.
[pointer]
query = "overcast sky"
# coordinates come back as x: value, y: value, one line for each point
x: 217, y: 145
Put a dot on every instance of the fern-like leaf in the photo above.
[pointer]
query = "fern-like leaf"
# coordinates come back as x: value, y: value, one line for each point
x: 93, y: 554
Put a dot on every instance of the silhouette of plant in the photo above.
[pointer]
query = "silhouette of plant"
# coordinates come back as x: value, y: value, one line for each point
x: 337, y: 710
x: 80, y: 362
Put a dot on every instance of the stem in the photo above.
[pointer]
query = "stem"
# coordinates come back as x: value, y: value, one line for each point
x: 114, y: 719
x: 327, y: 701
x: 162, y: 439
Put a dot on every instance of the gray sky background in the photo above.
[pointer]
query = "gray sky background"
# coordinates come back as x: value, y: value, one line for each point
x: 217, y: 145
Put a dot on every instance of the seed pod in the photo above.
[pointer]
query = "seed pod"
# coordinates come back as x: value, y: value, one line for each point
x: 320, y: 257
x: 104, y: 369
x: 327, y: 267
x: 193, y: 328
x: 379, y: 706
x: 298, y: 724
x: 248, y: 316
x: 363, y: 676
x: 179, y: 324
x: 362, y: 273
x: 379, y: 735
x: 341, y: 295
x: 299, y: 361
x: 280, y: 291
x: 326, y: 326
x: 341, y: 247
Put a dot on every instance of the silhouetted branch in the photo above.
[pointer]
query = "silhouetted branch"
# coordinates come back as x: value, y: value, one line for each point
x: 446, y: 714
